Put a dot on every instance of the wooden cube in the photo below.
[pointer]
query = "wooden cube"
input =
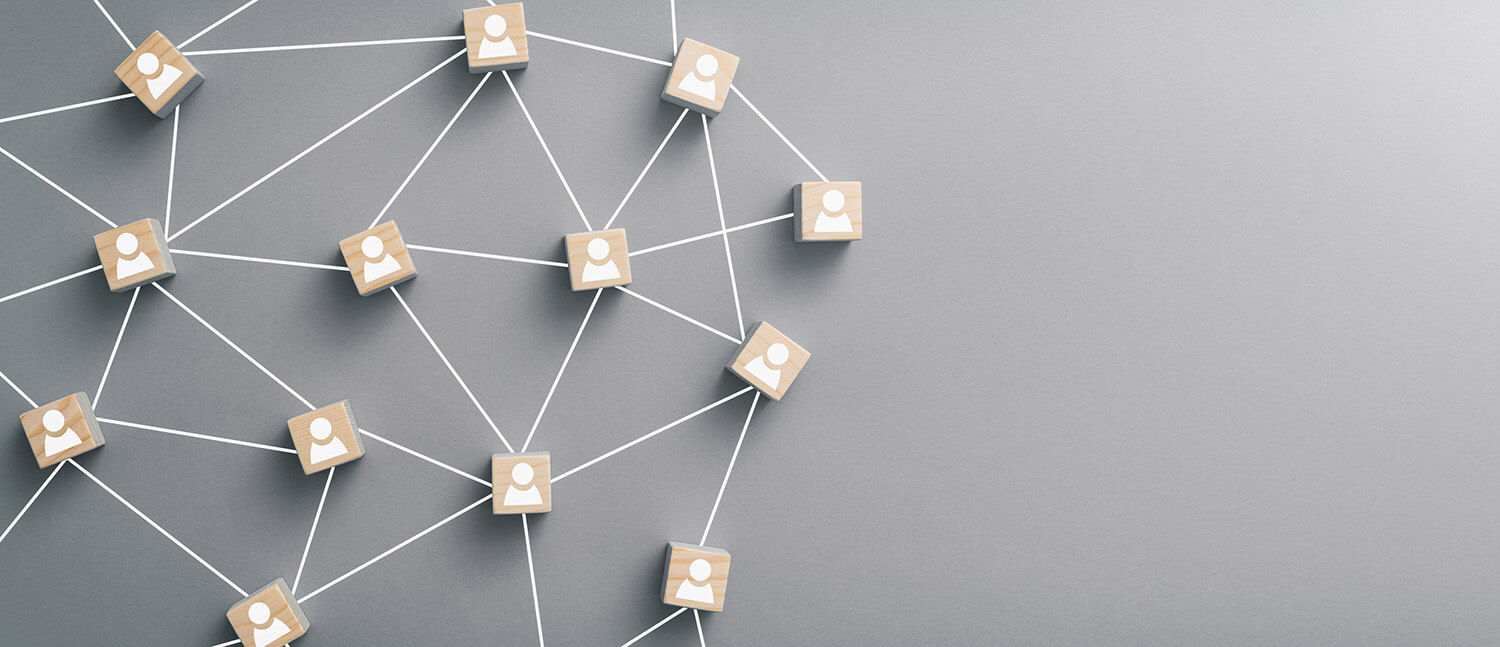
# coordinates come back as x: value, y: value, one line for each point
x: 700, y: 78
x: 522, y: 482
x: 134, y: 255
x: 377, y: 258
x: 826, y: 212
x: 598, y: 259
x: 159, y: 75
x: 768, y: 360
x: 61, y: 430
x: 326, y: 437
x: 496, y: 37
x: 270, y: 617
x: 696, y: 576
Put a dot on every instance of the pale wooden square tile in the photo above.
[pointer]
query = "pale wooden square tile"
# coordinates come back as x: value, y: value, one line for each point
x: 377, y: 258
x: 694, y: 584
x: 161, y: 80
x: 496, y: 38
x: 766, y: 366
x: 71, y: 431
x: 593, y: 264
x: 700, y: 77
x: 283, y: 622
x: 827, y: 212
x: 134, y: 254
x: 335, y: 441
x: 514, y: 492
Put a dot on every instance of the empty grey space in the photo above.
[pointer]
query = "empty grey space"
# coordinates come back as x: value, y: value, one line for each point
x: 1169, y: 325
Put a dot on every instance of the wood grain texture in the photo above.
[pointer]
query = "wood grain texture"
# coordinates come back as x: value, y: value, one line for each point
x: 686, y: 64
x: 807, y: 204
x: 761, y: 337
x: 680, y: 557
x: 78, y: 416
x: 167, y: 55
x: 391, y: 245
x: 278, y: 597
x: 515, y: 29
x: 578, y: 258
x: 501, y: 466
x: 150, y: 241
x: 344, y: 430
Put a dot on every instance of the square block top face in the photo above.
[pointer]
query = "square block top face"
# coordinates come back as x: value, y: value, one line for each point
x: 156, y: 72
x: 701, y: 76
x: 598, y: 259
x: 134, y: 254
x: 697, y: 577
x: 769, y: 360
x: 523, y: 482
x: 829, y: 211
x: 326, y: 437
x: 270, y: 617
x: 496, y: 37
x: 61, y: 430
x: 377, y: 258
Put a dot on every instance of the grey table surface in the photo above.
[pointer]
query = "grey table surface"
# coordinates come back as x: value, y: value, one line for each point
x: 1169, y: 325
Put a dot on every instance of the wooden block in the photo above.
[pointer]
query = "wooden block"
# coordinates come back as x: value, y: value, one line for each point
x: 768, y: 360
x: 496, y: 37
x: 61, y: 430
x: 522, y: 482
x: 700, y: 78
x: 159, y: 75
x: 598, y: 259
x: 134, y: 255
x: 827, y: 212
x: 270, y: 617
x: 696, y: 576
x: 377, y: 258
x: 326, y: 437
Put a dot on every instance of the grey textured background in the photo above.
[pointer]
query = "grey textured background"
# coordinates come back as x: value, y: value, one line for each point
x: 1169, y: 325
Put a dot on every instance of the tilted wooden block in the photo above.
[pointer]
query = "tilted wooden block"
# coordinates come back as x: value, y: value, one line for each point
x: 159, y: 75
x: 326, y: 437
x: 700, y: 78
x: 61, y: 430
x: 496, y: 37
x: 270, y: 617
x: 377, y: 258
x: 827, y: 212
x: 768, y: 360
x: 598, y: 259
x: 134, y: 254
x: 696, y: 576
x: 522, y: 482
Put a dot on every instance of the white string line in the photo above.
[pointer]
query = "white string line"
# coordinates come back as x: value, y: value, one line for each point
x: 49, y: 111
x: 236, y: 641
x: 535, y: 602
x: 713, y: 170
x: 395, y: 548
x: 776, y: 130
x: 560, y: 369
x: 158, y: 527
x: 218, y: 22
x: 732, y: 458
x: 679, y: 315
x: 61, y: 190
x: 711, y: 234
x: 316, y: 516
x: 497, y: 257
x: 449, y: 364
x: 30, y: 501
x: 699, y: 621
x: 189, y: 434
x: 51, y: 283
x: 654, y: 627
x: 649, y: 162
x: 18, y: 391
x: 674, y: 30
x: 431, y: 148
x: 114, y: 351
x: 597, y: 48
x: 255, y: 259
x: 114, y: 24
x: 236, y: 347
x: 669, y: 425
x: 288, y: 48
x: 434, y: 461
x: 172, y: 168
x: 546, y: 149
x: 315, y: 146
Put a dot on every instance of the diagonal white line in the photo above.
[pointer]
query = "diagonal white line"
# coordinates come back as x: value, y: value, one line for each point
x: 713, y: 170
x: 698, y: 620
x: 597, y: 48
x: 776, y: 130
x: 51, y: 283
x: 711, y: 234
x: 30, y: 501
x: 114, y: 351
x: 18, y: 390
x: 218, y: 22
x: 449, y: 364
x: 395, y: 548
x: 431, y: 148
x: 654, y: 627
x: 166, y: 224
x: 434, y: 461
x: 732, y: 458
x: 316, y: 517
x: 546, y: 149
x: 289, y: 48
x: 114, y: 24
x: 531, y: 567
x: 649, y: 162
x: 61, y: 190
x: 233, y: 345
x: 158, y: 527
x: 189, y: 434
x: 562, y: 368
x: 679, y: 315
x: 254, y: 259
x: 236, y: 641
x: 669, y: 425
x: 49, y: 111
x: 497, y: 257
x: 315, y: 146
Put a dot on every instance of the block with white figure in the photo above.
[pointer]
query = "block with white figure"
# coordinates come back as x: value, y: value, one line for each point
x: 522, y: 482
x: 598, y: 259
x: 61, y: 430
x: 134, y: 254
x: 326, y: 437
x: 768, y: 360
x: 696, y: 576
x: 377, y: 258
x: 827, y: 212
x: 159, y: 75
x: 270, y: 617
x: 496, y: 37
x: 700, y: 78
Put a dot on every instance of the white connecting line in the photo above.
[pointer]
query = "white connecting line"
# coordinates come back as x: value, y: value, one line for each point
x: 255, y: 259
x: 216, y: 23
x: 531, y: 568
x: 61, y: 190
x: 51, y: 283
x: 189, y: 434
x: 316, y: 517
x: 679, y: 315
x: 423, y: 160
x: 30, y: 501
x: 776, y: 130
x: 429, y: 459
x: 289, y: 48
x: 456, y: 376
x: 713, y: 170
x: 166, y: 223
x: 674, y: 27
x: 654, y: 627
x: 566, y: 359
x: 732, y: 458
x: 546, y: 149
x: 698, y: 620
x: 642, y: 176
x: 18, y: 390
x: 648, y: 436
x: 711, y: 234
x: 597, y: 48
x: 497, y: 257
x: 114, y: 351
x: 114, y: 24
x: 49, y: 111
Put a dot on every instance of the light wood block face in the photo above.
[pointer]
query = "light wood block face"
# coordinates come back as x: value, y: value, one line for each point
x: 700, y: 78
x: 61, y: 430
x: 377, y: 258
x: 159, y: 75
x: 827, y: 212
x: 134, y: 255
x: 270, y: 617
x: 523, y: 482
x: 598, y: 259
x: 696, y: 577
x: 769, y: 360
x: 326, y: 437
x: 496, y: 37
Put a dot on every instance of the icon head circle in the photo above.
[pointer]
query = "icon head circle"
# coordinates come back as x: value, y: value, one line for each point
x: 777, y: 354
x: 522, y: 474
x: 260, y: 613
x: 707, y: 65
x: 372, y: 246
x: 320, y: 428
x: 53, y: 420
x: 495, y: 25
x: 127, y: 244
x: 700, y: 569
x: 147, y: 63
x: 598, y: 249
x: 833, y: 200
